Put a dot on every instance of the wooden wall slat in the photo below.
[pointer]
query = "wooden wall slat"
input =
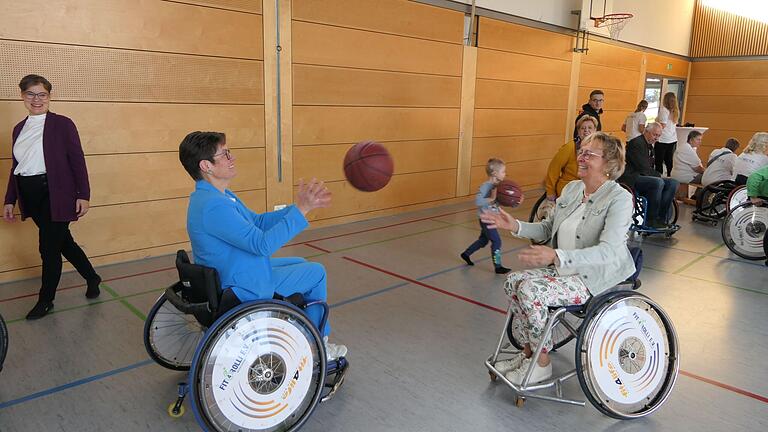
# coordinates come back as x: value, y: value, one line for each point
x: 515, y: 148
x: 657, y: 64
x: 606, y: 77
x: 604, y: 54
x: 336, y: 46
x: 323, y: 85
x: 528, y: 173
x: 500, y: 35
x: 398, y: 17
x: 512, y: 94
x: 502, y: 122
x: 729, y: 105
x: 718, y: 33
x: 335, y: 125
x: 728, y: 87
x: 520, y: 67
x: 326, y: 161
x: 141, y: 24
x: 742, y: 122
x: 747, y: 69
x: 615, y: 100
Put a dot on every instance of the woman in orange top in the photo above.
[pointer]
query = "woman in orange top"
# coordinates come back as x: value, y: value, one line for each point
x: 563, y: 168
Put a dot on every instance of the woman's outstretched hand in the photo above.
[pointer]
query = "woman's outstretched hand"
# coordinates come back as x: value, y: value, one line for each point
x: 500, y: 219
x: 312, y: 195
x: 537, y: 256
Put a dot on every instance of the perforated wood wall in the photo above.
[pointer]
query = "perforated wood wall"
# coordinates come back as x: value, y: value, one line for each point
x: 718, y: 33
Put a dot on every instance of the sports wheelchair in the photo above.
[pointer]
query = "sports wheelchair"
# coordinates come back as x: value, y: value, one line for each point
x: 3, y: 342
x: 256, y: 366
x: 737, y: 196
x: 744, y: 230
x: 627, y: 353
x: 717, y: 199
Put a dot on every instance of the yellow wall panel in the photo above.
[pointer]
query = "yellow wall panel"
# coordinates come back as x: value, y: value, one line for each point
x: 402, y: 190
x: 323, y: 85
x: 658, y: 64
x: 422, y: 21
x: 728, y: 87
x: 728, y: 104
x: 515, y: 148
x: 604, y: 54
x: 336, y: 46
x: 738, y: 122
x: 757, y: 69
x: 326, y: 161
x: 250, y: 6
x: 124, y: 127
x: 511, y: 94
x: 715, y: 138
x: 335, y: 125
x: 520, y: 67
x: 501, y: 122
x: 605, y: 77
x: 517, y: 38
x: 527, y: 173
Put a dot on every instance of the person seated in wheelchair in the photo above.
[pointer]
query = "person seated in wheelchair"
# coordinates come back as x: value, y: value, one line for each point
x: 587, y: 251
x: 239, y: 243
x: 754, y: 157
x: 720, y: 164
x: 687, y: 167
x: 757, y: 190
x: 640, y: 175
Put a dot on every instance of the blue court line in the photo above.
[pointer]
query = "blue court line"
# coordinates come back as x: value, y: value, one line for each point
x: 113, y: 372
x: 77, y: 383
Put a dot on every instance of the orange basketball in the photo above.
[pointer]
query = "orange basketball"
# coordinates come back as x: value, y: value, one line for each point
x: 368, y: 166
x: 509, y: 193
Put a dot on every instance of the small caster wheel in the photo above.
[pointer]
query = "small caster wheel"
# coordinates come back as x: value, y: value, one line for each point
x: 519, y: 401
x: 493, y: 376
x: 175, y: 412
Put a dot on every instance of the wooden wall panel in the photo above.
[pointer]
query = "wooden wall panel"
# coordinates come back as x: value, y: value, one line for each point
x: 325, y: 162
x: 520, y: 67
x: 399, y: 17
x: 520, y: 95
x: 515, y: 148
x: 718, y: 33
x: 336, y: 46
x: 527, y: 173
x: 716, y: 138
x: 615, y: 100
x: 501, y: 122
x: 250, y: 6
x: 728, y: 87
x: 742, y: 122
x: 606, y: 77
x: 718, y: 104
x: 323, y: 85
x: 736, y: 69
x: 605, y: 54
x: 657, y: 64
x: 402, y: 190
x: 149, y: 25
x: 334, y: 125
x: 108, y: 128
x: 503, y: 36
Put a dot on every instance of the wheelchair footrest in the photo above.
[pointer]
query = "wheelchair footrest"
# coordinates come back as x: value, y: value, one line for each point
x: 335, y: 373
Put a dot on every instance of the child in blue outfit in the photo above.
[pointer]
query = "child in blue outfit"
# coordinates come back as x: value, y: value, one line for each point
x: 486, y: 200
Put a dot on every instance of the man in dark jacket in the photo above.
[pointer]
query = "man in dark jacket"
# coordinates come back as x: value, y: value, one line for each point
x: 594, y: 108
x: 640, y: 175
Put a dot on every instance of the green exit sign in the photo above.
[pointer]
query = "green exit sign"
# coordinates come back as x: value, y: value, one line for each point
x: 669, y: 66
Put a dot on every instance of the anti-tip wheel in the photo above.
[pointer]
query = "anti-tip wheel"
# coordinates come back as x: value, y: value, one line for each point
x: 493, y: 376
x: 519, y: 401
x: 172, y: 413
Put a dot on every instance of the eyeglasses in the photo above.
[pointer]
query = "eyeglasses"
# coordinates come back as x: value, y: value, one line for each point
x: 587, y: 154
x: 32, y: 95
x: 598, y: 100
x: 225, y: 153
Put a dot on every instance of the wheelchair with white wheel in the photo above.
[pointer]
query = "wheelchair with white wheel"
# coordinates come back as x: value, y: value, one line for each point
x: 3, y: 342
x: 627, y: 354
x: 640, y: 217
x: 255, y: 366
x: 737, y: 196
x: 744, y: 230
x: 712, y: 202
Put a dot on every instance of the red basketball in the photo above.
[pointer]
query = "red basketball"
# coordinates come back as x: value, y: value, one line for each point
x: 368, y: 166
x: 509, y: 193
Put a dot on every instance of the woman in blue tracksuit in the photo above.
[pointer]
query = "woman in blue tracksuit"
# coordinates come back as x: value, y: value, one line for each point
x: 238, y: 243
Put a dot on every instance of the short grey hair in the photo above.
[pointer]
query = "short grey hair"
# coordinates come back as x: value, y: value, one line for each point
x: 654, y: 125
x: 613, y: 153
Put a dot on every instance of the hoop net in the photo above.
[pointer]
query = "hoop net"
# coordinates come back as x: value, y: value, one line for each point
x: 614, y: 22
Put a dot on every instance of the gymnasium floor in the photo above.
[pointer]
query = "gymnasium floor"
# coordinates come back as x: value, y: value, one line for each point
x: 419, y: 325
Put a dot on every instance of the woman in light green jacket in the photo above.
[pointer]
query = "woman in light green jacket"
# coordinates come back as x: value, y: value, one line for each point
x: 586, y: 252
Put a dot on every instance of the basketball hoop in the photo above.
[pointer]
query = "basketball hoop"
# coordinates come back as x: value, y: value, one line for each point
x: 614, y: 22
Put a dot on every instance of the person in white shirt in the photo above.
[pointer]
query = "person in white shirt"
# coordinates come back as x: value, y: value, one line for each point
x: 687, y: 167
x: 634, y: 124
x: 720, y: 163
x: 664, y: 149
x: 752, y: 159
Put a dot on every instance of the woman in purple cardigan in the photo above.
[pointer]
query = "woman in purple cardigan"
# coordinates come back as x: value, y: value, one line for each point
x: 49, y: 179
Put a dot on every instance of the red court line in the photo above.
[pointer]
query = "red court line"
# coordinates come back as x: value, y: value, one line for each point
x: 317, y: 247
x: 414, y: 281
x: 381, y: 227
x: 475, y: 302
x: 82, y: 285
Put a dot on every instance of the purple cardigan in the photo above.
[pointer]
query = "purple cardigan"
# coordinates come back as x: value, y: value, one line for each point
x: 64, y: 165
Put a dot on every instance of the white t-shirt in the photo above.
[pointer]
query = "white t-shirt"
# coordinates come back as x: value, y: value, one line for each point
x: 28, y: 149
x: 747, y: 163
x: 632, y: 122
x: 721, y: 169
x: 669, y: 133
x: 685, y: 161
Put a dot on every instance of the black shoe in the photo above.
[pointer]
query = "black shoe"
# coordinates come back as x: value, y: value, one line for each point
x: 501, y: 270
x: 40, y: 310
x: 93, y: 290
x: 465, y: 257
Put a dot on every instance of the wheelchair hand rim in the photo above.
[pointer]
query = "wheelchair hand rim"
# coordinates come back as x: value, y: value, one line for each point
x: 170, y: 336
x: 223, y: 399
x: 744, y: 229
x: 638, y: 347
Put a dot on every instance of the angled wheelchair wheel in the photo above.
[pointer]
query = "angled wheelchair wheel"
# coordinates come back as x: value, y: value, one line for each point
x: 541, y: 209
x: 560, y: 334
x: 744, y: 229
x: 627, y: 356
x: 171, y: 336
x: 737, y: 196
x: 712, y: 203
x: 3, y: 341
x: 260, y: 367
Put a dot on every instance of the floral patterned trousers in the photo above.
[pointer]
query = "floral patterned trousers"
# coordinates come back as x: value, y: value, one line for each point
x: 531, y: 292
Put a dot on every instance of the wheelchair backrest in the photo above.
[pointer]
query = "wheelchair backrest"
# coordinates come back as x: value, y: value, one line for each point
x: 199, y: 283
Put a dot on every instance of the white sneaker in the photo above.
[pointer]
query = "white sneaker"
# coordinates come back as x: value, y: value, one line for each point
x: 334, y: 351
x: 540, y: 373
x: 504, y: 366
